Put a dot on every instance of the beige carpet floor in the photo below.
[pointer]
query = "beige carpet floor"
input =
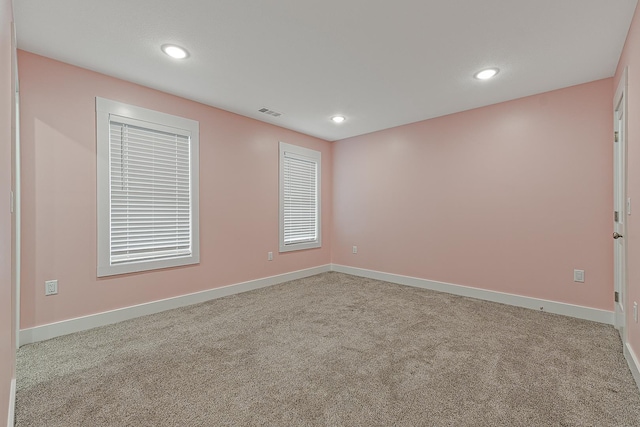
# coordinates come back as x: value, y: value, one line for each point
x: 332, y: 350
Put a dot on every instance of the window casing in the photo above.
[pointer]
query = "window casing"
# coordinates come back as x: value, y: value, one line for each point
x: 300, y: 219
x: 147, y: 189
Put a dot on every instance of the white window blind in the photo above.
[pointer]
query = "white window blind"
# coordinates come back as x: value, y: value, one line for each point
x: 148, y: 189
x: 150, y: 192
x: 300, y: 202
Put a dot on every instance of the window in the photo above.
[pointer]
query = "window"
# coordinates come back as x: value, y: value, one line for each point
x: 299, y: 198
x: 147, y: 189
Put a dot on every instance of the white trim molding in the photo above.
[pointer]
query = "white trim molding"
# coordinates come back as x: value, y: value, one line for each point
x: 12, y: 404
x: 64, y: 327
x: 632, y: 361
x: 580, y: 312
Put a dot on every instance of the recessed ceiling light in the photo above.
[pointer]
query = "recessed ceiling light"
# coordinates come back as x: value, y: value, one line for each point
x: 486, y: 74
x: 175, y: 51
x: 338, y: 119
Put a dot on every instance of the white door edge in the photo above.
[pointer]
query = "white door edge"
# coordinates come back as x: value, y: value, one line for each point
x: 620, y: 177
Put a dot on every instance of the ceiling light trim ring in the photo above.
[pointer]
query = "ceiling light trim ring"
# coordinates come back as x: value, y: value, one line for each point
x: 175, y: 51
x: 487, y: 73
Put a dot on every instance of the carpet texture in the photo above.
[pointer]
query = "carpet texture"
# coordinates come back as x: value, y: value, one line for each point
x: 332, y: 350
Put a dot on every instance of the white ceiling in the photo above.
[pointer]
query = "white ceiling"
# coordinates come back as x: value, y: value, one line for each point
x: 379, y: 63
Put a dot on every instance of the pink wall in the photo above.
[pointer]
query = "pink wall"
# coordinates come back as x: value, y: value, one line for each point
x: 631, y: 58
x: 238, y: 196
x: 510, y: 197
x: 7, y: 309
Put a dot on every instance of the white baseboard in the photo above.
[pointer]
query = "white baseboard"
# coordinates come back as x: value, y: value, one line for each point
x: 64, y: 327
x: 56, y: 329
x: 580, y: 312
x: 12, y: 404
x: 632, y: 361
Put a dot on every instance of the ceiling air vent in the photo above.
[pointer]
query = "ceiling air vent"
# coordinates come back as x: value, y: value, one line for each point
x: 270, y: 112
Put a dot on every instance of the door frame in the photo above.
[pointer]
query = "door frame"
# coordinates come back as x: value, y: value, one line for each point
x: 16, y: 191
x: 620, y: 195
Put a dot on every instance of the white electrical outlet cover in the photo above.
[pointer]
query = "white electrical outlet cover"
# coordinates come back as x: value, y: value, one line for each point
x: 50, y: 287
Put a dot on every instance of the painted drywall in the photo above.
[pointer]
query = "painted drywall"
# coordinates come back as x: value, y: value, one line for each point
x: 238, y: 196
x: 7, y: 309
x: 511, y: 197
x: 630, y: 59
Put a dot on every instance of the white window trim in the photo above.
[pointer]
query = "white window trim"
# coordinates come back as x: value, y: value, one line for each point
x: 316, y: 156
x: 105, y: 108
